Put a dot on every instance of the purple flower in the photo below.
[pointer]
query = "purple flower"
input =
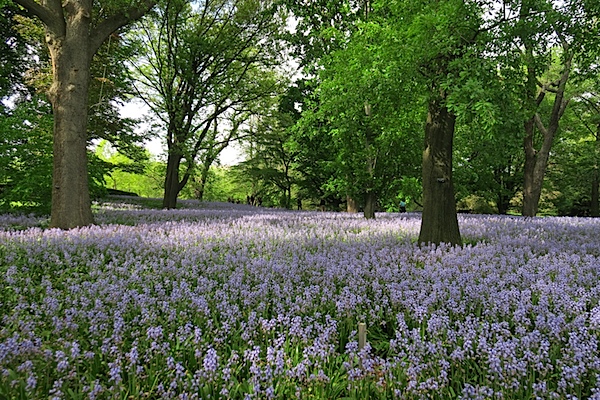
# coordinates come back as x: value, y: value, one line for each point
x: 211, y: 361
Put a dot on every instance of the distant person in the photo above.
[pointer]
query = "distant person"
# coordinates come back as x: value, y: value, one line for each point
x: 402, y: 206
x: 299, y: 201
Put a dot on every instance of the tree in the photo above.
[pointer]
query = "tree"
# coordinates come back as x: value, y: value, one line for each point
x: 553, y: 37
x: 488, y: 144
x: 270, y: 157
x: 310, y: 140
x: 440, y: 41
x: 226, y: 129
x: 26, y: 157
x: 74, y: 31
x: 202, y: 62
x: 375, y: 141
x: 574, y: 173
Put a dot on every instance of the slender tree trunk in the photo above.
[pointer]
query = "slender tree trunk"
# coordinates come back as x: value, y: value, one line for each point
x: 531, y: 189
x: 440, y: 222
x: 502, y: 200
x: 594, y: 205
x: 203, y: 180
x: 371, y: 160
x: 172, y: 185
x: 536, y: 161
x: 502, y: 204
x: 71, y: 206
x: 370, y: 203
x: 351, y: 205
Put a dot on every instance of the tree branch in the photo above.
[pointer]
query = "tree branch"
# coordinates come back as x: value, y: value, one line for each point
x: 540, y: 125
x: 51, y: 16
x: 111, y: 24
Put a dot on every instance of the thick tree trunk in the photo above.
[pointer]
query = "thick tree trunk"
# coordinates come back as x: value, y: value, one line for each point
x: 370, y: 203
x: 172, y: 184
x: 72, y: 39
x: 440, y: 222
x: 351, y: 205
x: 71, y: 206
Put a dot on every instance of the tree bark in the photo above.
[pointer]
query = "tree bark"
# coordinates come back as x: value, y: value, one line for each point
x: 595, y: 201
x: 536, y: 161
x: 73, y: 39
x: 370, y: 203
x: 71, y: 206
x: 172, y: 184
x: 202, y: 182
x: 532, y: 187
x: 439, y: 223
x: 502, y: 203
x: 351, y: 205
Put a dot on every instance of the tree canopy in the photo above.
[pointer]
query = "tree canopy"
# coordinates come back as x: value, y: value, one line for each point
x: 454, y: 105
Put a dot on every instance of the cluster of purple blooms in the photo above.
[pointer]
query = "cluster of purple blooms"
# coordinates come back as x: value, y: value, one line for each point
x: 232, y: 301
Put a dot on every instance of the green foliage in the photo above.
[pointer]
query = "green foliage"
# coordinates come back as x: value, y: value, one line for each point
x: 12, y: 50
x: 144, y: 178
x: 321, y: 27
x: 26, y: 156
x: 202, y: 65
x: 111, y: 86
x: 574, y: 171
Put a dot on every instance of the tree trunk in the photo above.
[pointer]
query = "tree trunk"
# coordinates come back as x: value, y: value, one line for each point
x: 594, y: 207
x: 439, y: 222
x: 536, y: 161
x: 72, y: 39
x: 71, y: 206
x: 370, y: 202
x: 351, y: 205
x: 594, y: 204
x: 203, y: 180
x: 502, y: 203
x: 531, y: 189
x: 172, y: 185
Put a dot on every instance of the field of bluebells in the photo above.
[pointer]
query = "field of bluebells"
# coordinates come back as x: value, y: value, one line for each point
x: 235, y: 302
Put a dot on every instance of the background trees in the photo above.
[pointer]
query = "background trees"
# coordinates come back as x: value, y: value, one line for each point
x: 202, y: 61
x: 490, y: 88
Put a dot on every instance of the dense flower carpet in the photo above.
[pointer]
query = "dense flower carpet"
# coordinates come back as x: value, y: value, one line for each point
x: 232, y: 301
